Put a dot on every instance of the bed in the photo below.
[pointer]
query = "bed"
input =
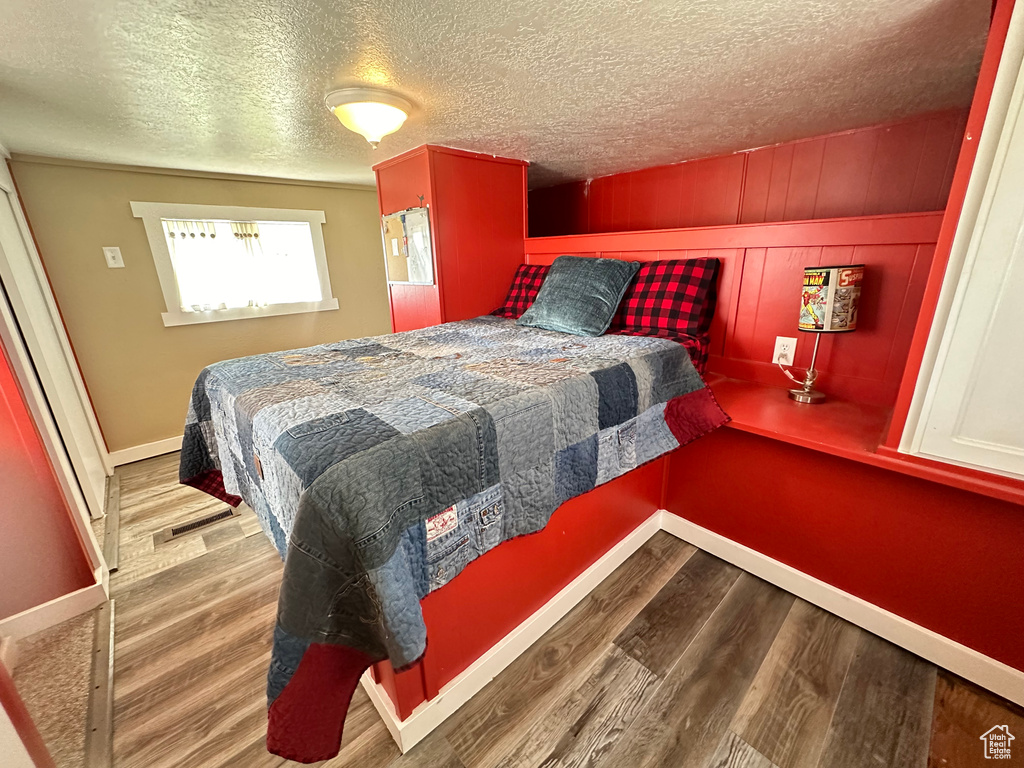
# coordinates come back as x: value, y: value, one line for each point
x: 381, y: 467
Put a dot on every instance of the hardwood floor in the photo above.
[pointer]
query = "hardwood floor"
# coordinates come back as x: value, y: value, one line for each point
x: 677, y: 659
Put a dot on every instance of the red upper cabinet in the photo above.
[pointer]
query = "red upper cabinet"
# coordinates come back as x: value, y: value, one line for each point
x: 477, y: 207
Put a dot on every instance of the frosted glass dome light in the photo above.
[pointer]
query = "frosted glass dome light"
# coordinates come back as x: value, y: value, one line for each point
x: 369, y: 112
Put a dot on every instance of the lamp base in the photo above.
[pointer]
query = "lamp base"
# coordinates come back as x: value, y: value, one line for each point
x: 807, y: 396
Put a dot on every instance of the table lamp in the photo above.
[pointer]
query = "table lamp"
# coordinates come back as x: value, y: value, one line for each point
x: 828, y: 304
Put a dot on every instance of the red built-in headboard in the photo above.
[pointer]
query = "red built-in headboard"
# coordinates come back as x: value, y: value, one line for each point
x: 759, y: 291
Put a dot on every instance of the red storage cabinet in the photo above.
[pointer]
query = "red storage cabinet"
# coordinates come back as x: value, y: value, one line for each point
x: 477, y: 207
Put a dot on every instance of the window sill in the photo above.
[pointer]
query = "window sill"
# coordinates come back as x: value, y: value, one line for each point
x: 245, y: 313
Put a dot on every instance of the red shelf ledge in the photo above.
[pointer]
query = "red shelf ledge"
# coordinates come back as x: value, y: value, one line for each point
x: 850, y: 430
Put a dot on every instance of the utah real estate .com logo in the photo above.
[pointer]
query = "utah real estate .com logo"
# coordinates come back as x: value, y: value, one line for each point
x: 997, y: 742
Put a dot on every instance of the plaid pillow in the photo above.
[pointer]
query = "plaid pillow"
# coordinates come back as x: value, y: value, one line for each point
x: 525, y: 285
x: 670, y: 298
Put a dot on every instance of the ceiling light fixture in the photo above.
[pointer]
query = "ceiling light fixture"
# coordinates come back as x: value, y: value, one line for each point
x: 370, y: 112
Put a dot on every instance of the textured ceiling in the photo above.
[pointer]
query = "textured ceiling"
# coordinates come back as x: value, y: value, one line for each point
x: 580, y: 88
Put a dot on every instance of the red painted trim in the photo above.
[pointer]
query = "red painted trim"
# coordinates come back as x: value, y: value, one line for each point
x: 22, y: 721
x: 525, y: 205
x: 448, y: 151
x: 890, y: 229
x: 476, y: 155
x: 968, y: 152
x: 977, y: 481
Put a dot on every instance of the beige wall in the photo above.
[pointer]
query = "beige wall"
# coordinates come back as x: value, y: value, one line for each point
x: 139, y: 373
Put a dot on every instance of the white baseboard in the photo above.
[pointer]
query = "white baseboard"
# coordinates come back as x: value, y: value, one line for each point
x: 428, y: 715
x: 53, y: 612
x: 966, y: 662
x: 145, y: 451
x: 948, y: 654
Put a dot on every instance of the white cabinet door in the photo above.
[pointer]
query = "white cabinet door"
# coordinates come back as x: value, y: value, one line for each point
x: 973, y: 412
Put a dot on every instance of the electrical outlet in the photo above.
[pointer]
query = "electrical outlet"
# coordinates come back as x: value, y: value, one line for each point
x: 113, y: 256
x: 785, y: 350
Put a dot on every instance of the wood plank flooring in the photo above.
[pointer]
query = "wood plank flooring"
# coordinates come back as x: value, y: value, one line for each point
x: 676, y: 659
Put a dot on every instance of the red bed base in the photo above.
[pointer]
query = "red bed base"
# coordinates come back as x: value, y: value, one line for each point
x: 500, y: 590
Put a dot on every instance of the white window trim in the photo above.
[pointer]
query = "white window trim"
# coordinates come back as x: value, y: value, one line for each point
x: 151, y: 215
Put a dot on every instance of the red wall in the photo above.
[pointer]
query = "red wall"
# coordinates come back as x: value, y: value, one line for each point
x: 941, y: 557
x: 759, y: 291
x: 41, y: 556
x: 894, y: 168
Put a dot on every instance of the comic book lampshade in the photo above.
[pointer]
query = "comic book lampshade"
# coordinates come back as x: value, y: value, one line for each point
x: 828, y: 303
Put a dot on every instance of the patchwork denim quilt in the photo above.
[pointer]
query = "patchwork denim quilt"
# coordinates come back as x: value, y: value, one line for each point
x: 381, y: 467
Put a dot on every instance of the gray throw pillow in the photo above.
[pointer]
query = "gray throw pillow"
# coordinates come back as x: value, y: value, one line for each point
x: 580, y: 295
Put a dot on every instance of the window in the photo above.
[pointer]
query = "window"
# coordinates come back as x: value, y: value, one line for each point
x: 229, y: 263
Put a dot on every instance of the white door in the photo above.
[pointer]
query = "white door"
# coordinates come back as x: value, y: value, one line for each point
x: 973, y: 409
x: 28, y: 293
x: 11, y: 746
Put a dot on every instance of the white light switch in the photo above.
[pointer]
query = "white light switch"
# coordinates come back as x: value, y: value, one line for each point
x: 113, y: 257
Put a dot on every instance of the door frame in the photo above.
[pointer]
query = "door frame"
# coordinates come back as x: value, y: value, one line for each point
x: 22, y: 364
x: 1005, y: 108
x: 58, y: 397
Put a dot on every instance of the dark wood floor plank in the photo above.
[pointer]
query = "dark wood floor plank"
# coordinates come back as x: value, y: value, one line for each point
x: 963, y: 712
x: 222, y: 747
x: 433, y: 752
x: 221, y: 534
x: 209, y: 638
x: 883, y: 717
x: 684, y: 722
x: 734, y: 752
x: 491, y: 722
x: 373, y: 748
x: 163, y: 597
x: 139, y: 559
x: 210, y: 724
x: 258, y: 591
x: 786, y: 714
x: 662, y: 630
x: 177, y: 713
x: 583, y: 725
x: 253, y: 755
